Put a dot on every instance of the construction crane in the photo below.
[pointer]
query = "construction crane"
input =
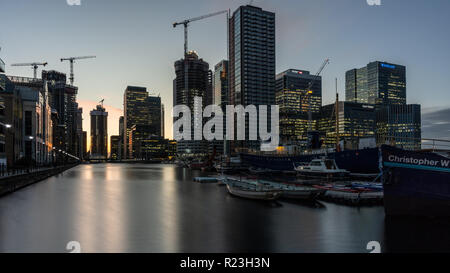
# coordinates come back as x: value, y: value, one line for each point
x: 310, y: 92
x: 34, y: 66
x: 72, y: 60
x: 186, y: 22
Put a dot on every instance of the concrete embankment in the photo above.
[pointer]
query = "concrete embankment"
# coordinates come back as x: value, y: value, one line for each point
x: 13, y: 183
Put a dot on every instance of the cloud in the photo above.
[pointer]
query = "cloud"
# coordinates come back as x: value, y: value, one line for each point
x: 436, y: 124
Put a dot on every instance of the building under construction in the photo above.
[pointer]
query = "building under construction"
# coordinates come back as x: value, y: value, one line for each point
x: 199, y: 78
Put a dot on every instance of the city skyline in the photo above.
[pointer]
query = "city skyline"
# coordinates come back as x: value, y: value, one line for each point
x: 304, y: 50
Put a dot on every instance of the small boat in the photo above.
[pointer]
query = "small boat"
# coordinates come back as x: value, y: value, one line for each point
x: 244, y: 192
x: 322, y: 167
x: 197, y: 165
x: 205, y: 179
x: 367, y: 185
x: 251, y: 190
x: 415, y: 183
x: 261, y: 171
x: 291, y: 191
x: 351, y: 196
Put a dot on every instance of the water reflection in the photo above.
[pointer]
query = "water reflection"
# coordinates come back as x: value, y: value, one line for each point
x: 157, y: 208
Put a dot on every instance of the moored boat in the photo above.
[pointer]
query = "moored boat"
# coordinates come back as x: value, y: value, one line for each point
x: 322, y: 167
x: 355, y: 161
x: 291, y: 191
x: 351, y: 196
x: 415, y: 183
x: 249, y: 193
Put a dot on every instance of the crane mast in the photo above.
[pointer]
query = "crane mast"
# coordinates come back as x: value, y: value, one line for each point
x: 72, y: 60
x: 309, y: 93
x: 185, y: 23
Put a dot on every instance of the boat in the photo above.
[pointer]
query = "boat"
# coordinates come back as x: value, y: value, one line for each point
x: 251, y: 190
x: 240, y: 191
x: 322, y: 167
x: 367, y: 185
x: 291, y: 191
x: 260, y: 171
x: 415, y: 183
x: 362, y: 161
x: 232, y: 164
x: 206, y: 179
x: 350, y: 196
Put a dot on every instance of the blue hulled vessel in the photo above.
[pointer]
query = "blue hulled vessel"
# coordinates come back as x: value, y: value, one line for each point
x: 415, y: 183
x: 355, y: 161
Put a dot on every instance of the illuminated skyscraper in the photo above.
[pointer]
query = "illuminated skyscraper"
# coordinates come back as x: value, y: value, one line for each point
x: 294, y: 101
x: 356, y: 124
x: 142, y: 115
x: 384, y: 86
x: 377, y: 83
x: 136, y: 113
x: 400, y: 125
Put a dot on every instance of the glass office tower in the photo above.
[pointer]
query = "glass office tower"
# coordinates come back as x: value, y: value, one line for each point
x: 356, y: 124
x: 384, y: 86
x: 400, y: 125
x: 294, y: 100
x: 136, y: 113
x: 252, y: 60
x: 377, y: 83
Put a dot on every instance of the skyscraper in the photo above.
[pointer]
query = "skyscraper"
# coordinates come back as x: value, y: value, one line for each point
x: 252, y: 60
x: 199, y: 85
x: 377, y: 83
x: 154, y: 104
x: 400, y: 125
x: 99, y: 133
x: 115, y: 147
x: 384, y: 85
x: 220, y: 84
x: 136, y: 113
x: 356, y: 124
x: 79, y: 118
x: 62, y: 99
x: 121, y: 135
x: 295, y: 100
x: 220, y: 98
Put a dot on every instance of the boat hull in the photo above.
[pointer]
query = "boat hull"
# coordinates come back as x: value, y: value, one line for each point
x: 322, y: 174
x: 415, y: 189
x: 255, y: 195
x: 356, y: 161
x: 301, y: 194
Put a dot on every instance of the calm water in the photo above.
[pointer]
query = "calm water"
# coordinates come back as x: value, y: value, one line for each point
x: 157, y: 208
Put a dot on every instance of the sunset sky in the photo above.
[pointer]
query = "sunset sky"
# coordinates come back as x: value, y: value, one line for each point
x: 135, y: 43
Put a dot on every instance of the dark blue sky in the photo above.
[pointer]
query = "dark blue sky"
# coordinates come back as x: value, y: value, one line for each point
x: 136, y: 44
